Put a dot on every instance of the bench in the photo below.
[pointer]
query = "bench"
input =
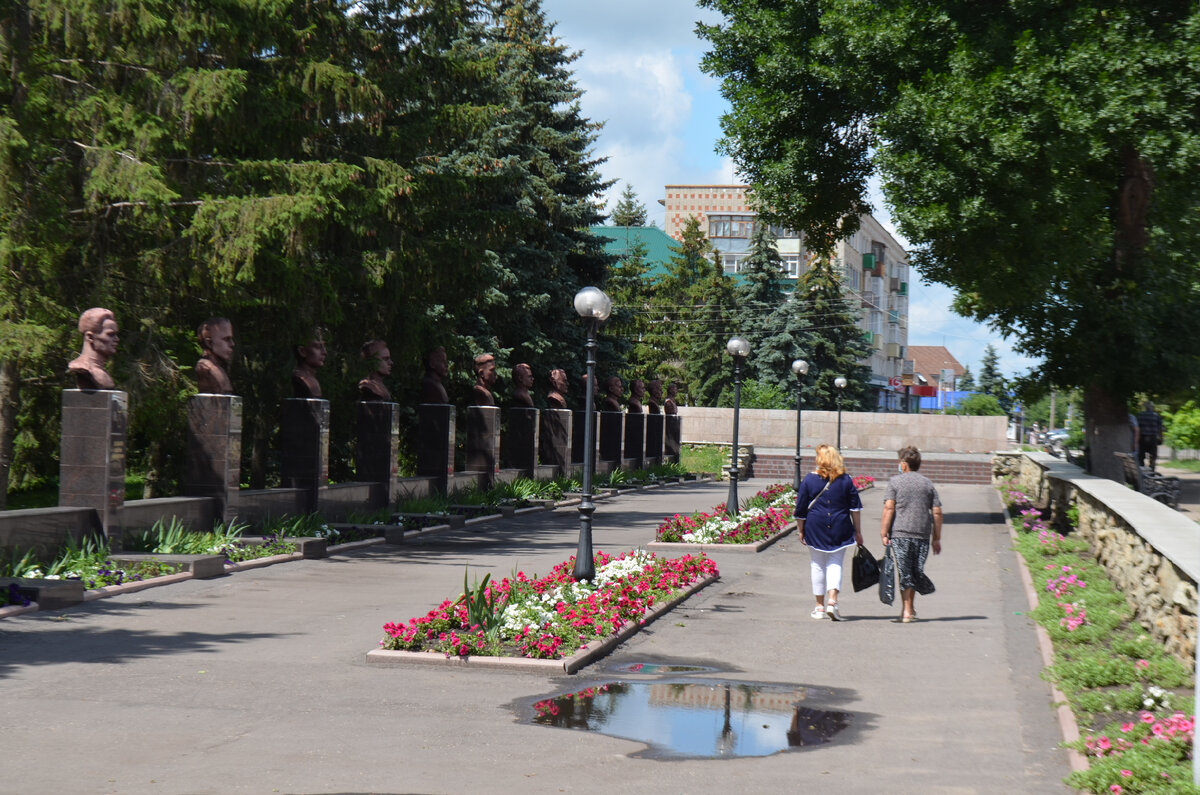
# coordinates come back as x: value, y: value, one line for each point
x: 1163, y: 488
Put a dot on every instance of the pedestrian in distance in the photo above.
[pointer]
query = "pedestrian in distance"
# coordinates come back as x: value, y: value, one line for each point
x: 829, y: 521
x: 1150, y: 434
x: 911, y: 525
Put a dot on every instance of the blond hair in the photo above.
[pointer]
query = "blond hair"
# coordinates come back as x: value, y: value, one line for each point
x: 829, y: 462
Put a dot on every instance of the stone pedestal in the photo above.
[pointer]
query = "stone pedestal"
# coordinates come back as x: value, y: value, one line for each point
x: 214, y: 452
x: 91, y: 471
x: 554, y: 442
x: 377, y: 451
x: 673, y: 426
x: 612, y: 435
x: 521, y: 441
x: 435, y: 443
x: 483, y: 441
x: 304, y: 445
x: 635, y: 439
x: 654, y: 438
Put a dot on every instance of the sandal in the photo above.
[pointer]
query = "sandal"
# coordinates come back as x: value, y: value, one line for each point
x: 818, y: 612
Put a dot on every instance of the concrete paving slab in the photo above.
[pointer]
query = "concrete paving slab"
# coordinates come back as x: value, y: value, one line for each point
x: 258, y: 682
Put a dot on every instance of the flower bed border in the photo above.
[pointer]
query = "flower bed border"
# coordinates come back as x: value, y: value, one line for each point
x: 678, y: 547
x: 567, y: 665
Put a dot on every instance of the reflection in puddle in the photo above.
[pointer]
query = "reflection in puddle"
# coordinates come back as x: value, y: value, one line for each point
x: 696, y: 719
x: 656, y: 668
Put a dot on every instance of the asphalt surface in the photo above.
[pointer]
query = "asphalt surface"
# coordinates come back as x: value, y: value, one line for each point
x: 257, y: 682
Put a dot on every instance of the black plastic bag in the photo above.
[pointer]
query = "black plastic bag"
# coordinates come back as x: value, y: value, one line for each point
x: 887, y: 577
x: 864, y: 570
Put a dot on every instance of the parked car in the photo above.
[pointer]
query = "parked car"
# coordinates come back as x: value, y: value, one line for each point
x: 1055, y: 442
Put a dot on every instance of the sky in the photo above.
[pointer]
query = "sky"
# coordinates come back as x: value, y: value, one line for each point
x: 639, y: 70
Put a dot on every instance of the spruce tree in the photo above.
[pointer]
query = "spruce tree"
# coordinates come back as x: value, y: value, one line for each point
x: 673, y: 304
x: 629, y: 211
x: 966, y: 381
x: 835, y: 343
x: 768, y: 317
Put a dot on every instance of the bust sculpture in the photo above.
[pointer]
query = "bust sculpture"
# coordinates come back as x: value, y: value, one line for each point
x: 377, y: 355
x: 583, y: 387
x: 99, y: 329
x: 656, y: 396
x: 309, y: 357
x: 485, y: 379
x: 523, y: 378
x: 669, y: 406
x: 637, y: 391
x: 556, y: 398
x: 437, y: 370
x: 616, y: 389
x: 216, y: 340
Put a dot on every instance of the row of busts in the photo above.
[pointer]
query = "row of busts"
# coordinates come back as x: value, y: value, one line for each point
x: 100, y: 337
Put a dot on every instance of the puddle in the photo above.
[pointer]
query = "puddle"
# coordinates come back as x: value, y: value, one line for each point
x: 695, y: 719
x: 655, y: 669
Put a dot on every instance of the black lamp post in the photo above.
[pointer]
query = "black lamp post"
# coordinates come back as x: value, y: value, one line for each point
x: 739, y: 349
x: 800, y: 368
x: 594, y: 306
x: 840, y: 383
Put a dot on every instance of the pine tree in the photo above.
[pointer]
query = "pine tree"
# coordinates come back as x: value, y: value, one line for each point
x: 711, y: 322
x: 836, y: 344
x: 629, y: 325
x: 629, y: 211
x: 966, y: 381
x: 991, y: 382
x: 673, y: 305
x: 768, y: 317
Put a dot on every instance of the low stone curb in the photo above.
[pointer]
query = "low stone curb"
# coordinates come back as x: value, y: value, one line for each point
x: 93, y: 594
x: 675, y: 547
x: 258, y: 563
x: 15, y: 610
x: 1066, y: 718
x: 349, y: 545
x: 550, y: 667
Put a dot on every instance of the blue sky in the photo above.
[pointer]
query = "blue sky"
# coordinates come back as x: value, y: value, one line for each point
x: 639, y: 69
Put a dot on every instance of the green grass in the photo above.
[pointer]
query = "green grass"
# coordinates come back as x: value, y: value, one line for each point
x: 707, y: 458
x: 1187, y: 466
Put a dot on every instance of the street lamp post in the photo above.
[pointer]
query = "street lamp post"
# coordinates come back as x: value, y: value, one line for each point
x: 739, y: 349
x: 800, y: 368
x: 840, y: 383
x: 594, y: 306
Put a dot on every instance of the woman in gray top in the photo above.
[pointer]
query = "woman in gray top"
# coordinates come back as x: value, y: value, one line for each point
x: 912, y: 522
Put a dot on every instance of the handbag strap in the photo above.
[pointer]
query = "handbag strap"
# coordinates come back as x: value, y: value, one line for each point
x: 819, y: 493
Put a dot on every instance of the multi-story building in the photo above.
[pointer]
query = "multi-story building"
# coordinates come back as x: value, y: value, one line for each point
x: 874, y: 269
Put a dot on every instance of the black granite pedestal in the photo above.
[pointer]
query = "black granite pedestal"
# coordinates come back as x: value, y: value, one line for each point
x: 554, y: 439
x: 377, y: 449
x: 520, y: 441
x: 304, y: 445
x: 483, y: 442
x: 213, y: 467
x: 634, y: 452
x: 654, y: 439
x: 435, y: 443
x: 612, y: 435
x: 672, y: 433
x: 91, y: 472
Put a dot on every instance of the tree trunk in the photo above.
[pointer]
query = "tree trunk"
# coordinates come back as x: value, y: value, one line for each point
x: 10, y: 392
x: 1107, y: 432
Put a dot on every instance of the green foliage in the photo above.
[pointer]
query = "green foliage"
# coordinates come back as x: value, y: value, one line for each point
x: 771, y: 320
x: 836, y: 346
x: 629, y: 211
x: 758, y: 395
x: 484, y: 610
x: 977, y: 405
x: 1039, y: 157
x: 1183, y: 427
x: 966, y: 381
x: 706, y: 458
x: 991, y: 381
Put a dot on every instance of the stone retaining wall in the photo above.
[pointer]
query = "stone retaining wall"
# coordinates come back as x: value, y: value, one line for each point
x: 1148, y: 549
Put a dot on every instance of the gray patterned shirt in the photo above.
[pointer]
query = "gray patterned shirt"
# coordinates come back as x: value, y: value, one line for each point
x: 915, y: 498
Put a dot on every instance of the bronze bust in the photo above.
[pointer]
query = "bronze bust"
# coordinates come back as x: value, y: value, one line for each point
x: 523, y: 378
x: 376, y: 353
x: 656, y: 396
x: 216, y: 340
x: 556, y: 398
x: 616, y: 389
x: 669, y: 406
x: 437, y: 370
x: 309, y: 358
x: 99, y: 329
x: 485, y: 379
x: 637, y: 391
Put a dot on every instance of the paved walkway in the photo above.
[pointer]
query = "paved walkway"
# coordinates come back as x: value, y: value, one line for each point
x: 257, y: 682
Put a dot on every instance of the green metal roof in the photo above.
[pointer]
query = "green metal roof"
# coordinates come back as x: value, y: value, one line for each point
x: 659, y: 245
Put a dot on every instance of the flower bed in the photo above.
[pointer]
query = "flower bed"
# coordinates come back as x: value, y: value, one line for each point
x: 1122, y: 688
x: 767, y: 513
x: 549, y: 617
x: 863, y: 482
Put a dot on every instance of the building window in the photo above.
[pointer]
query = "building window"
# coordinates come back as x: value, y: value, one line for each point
x: 730, y: 226
x: 791, y: 265
x: 732, y: 263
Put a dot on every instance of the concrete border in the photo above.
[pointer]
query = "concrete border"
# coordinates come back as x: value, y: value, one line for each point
x: 569, y: 665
